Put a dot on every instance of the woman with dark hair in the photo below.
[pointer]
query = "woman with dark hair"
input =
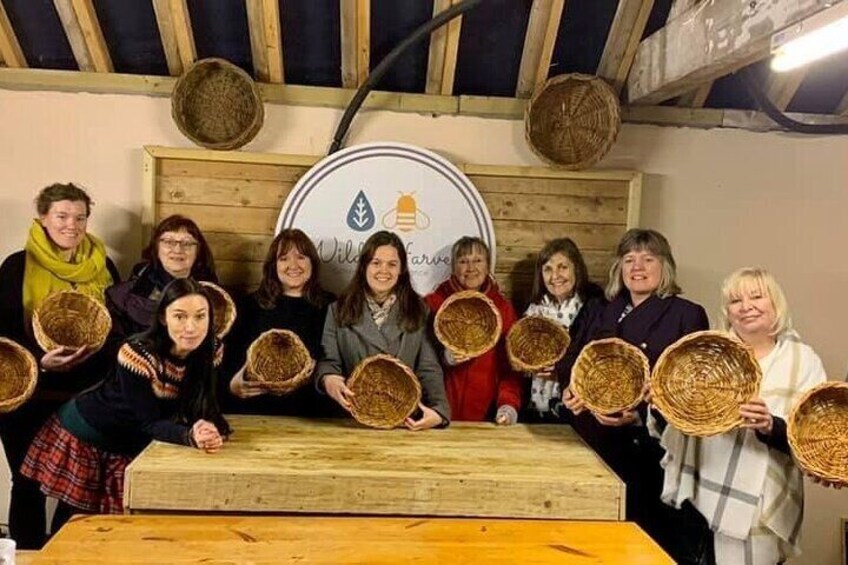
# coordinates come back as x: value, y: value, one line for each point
x: 291, y: 298
x: 59, y: 255
x: 379, y: 312
x: 562, y: 293
x: 176, y: 250
x: 483, y: 388
x: 646, y: 311
x: 162, y: 388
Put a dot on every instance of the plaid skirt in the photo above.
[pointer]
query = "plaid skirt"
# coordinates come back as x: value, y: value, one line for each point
x: 75, y: 472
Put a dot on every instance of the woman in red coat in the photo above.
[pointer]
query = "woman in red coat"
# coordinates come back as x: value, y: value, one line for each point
x: 482, y: 388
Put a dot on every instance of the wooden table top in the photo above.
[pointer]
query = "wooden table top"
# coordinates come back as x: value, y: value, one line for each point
x: 255, y: 540
x: 275, y: 464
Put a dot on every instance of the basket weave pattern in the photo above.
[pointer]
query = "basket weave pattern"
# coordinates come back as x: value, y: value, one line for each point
x: 223, y: 308
x: 609, y: 374
x: 572, y: 120
x: 18, y: 375
x: 71, y: 319
x: 280, y: 361
x: 385, y: 390
x: 818, y: 432
x: 217, y: 105
x: 468, y: 323
x: 700, y: 381
x: 535, y: 343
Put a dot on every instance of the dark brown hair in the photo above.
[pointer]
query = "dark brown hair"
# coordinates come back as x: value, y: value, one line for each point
x: 568, y: 248
x: 204, y: 266
x: 57, y: 192
x: 270, y: 289
x: 412, y: 311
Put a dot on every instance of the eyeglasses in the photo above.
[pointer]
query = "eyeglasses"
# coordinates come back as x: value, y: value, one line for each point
x: 172, y: 244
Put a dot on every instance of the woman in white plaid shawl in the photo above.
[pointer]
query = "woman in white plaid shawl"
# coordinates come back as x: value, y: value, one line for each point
x: 744, y: 482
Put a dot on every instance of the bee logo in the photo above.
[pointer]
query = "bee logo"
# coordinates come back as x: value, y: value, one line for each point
x: 406, y: 216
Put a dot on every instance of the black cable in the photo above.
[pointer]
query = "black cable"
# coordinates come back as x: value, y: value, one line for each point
x: 374, y: 77
x: 781, y: 119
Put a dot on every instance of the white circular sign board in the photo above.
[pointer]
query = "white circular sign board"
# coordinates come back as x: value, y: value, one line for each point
x: 411, y: 191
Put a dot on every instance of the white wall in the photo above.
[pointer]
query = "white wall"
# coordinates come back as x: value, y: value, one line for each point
x: 724, y: 198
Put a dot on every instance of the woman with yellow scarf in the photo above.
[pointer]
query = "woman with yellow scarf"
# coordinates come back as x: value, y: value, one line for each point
x: 59, y: 255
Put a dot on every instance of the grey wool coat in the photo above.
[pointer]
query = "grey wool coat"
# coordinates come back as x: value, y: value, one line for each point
x: 345, y: 346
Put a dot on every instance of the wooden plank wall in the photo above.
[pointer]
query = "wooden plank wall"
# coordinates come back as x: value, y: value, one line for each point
x: 236, y: 203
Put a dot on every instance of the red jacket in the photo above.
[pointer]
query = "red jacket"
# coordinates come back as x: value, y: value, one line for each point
x: 483, y: 384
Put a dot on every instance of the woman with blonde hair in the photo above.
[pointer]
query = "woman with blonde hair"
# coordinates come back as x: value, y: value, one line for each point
x: 739, y: 480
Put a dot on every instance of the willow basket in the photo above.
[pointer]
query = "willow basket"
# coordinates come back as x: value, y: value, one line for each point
x: 609, y: 375
x: 818, y: 432
x: 535, y: 343
x: 572, y: 120
x: 223, y: 308
x: 18, y: 375
x: 385, y: 390
x: 468, y: 323
x: 280, y: 361
x: 700, y: 381
x: 71, y: 319
x: 217, y: 105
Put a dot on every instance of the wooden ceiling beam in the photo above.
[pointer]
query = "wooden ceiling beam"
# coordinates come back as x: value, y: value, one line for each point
x: 626, y: 31
x: 696, y: 98
x: 174, y: 22
x: 781, y: 87
x: 708, y: 41
x: 82, y: 29
x: 266, y: 44
x: 11, y: 54
x: 444, y: 47
x: 355, y: 41
x: 842, y: 109
x: 539, y: 41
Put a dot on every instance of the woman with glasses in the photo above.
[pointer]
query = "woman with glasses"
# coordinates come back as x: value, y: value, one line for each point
x: 177, y: 249
x: 483, y: 388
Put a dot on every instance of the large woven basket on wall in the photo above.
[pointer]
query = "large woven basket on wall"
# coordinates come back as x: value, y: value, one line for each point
x: 700, y: 381
x: 572, y: 120
x: 535, y: 343
x: 71, y: 319
x: 217, y: 105
x: 818, y: 432
x: 223, y: 308
x: 280, y: 361
x: 468, y: 324
x: 609, y: 375
x: 385, y: 390
x: 18, y: 375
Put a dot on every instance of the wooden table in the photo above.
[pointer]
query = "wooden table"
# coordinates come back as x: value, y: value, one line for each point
x: 275, y: 464
x: 254, y: 540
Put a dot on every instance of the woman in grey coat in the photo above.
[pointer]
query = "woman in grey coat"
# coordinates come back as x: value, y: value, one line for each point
x: 379, y: 312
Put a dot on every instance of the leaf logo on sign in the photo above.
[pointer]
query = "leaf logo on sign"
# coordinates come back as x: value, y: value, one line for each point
x: 360, y: 217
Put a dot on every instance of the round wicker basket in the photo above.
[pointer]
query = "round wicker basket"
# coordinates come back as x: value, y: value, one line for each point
x: 572, y: 120
x: 700, y: 381
x: 385, y: 391
x: 279, y: 360
x: 609, y: 375
x: 818, y: 432
x: 217, y: 105
x: 468, y: 324
x: 71, y: 319
x: 223, y: 308
x: 535, y: 343
x: 18, y: 375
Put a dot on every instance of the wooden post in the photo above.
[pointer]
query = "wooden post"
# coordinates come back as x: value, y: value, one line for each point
x: 542, y: 28
x: 10, y: 50
x: 626, y: 31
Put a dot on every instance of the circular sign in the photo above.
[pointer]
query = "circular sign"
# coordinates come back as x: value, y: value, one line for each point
x: 413, y: 192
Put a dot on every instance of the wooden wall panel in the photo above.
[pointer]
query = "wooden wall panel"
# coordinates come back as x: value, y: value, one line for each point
x: 236, y: 199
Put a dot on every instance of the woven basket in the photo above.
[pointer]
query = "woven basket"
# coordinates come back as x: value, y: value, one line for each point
x: 385, y: 391
x: 279, y: 360
x: 700, y: 381
x: 818, y: 432
x: 217, y: 105
x: 18, y: 375
x: 572, y: 121
x: 71, y: 319
x: 223, y: 308
x: 468, y: 323
x: 535, y: 343
x: 609, y: 375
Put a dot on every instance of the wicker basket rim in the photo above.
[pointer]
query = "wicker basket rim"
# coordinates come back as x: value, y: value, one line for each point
x: 468, y: 295
x: 520, y: 364
x: 44, y: 340
x: 297, y: 343
x: 620, y: 343
x: 811, y: 467
x: 359, y: 372
x: 9, y: 404
x: 231, y: 312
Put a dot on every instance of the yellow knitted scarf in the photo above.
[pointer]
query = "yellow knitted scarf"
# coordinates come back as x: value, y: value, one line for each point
x: 46, y: 271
